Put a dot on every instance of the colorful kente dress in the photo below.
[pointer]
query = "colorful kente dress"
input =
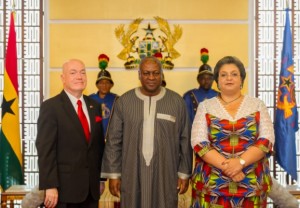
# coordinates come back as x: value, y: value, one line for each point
x: 214, y: 128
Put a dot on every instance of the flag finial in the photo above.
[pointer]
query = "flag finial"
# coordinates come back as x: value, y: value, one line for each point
x: 13, y: 5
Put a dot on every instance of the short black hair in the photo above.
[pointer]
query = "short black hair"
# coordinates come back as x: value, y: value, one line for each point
x: 230, y: 60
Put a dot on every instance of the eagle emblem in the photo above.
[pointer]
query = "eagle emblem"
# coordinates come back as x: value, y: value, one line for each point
x: 125, y: 38
x: 171, y: 37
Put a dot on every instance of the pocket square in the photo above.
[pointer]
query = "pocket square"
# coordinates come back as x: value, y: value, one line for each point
x: 98, y: 119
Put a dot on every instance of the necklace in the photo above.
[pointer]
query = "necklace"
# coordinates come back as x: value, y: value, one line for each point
x: 226, y: 103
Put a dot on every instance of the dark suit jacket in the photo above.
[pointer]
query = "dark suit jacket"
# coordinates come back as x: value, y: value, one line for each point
x: 65, y: 159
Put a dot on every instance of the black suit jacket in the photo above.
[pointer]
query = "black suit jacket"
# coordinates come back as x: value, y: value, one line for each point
x: 65, y: 159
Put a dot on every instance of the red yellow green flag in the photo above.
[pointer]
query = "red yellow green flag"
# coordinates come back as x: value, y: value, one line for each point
x: 10, y: 143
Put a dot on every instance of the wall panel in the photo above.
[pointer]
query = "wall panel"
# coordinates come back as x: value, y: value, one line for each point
x: 87, y: 41
x: 130, y: 9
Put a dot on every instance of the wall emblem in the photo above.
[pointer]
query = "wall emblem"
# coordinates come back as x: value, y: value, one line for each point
x: 159, y: 43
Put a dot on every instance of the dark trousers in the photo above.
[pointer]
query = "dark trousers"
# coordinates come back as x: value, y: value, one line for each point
x: 90, y: 202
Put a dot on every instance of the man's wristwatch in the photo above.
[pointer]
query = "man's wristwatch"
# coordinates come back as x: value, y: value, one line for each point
x: 242, y: 162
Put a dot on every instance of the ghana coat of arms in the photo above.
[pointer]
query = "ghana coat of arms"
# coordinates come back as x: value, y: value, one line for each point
x: 160, y: 45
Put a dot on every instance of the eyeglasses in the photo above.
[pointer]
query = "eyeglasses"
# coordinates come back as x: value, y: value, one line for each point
x: 233, y: 75
x: 148, y: 74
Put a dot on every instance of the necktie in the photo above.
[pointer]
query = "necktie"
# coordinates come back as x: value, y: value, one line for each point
x: 83, y: 121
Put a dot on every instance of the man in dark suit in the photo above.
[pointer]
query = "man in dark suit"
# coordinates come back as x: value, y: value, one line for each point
x: 69, y: 152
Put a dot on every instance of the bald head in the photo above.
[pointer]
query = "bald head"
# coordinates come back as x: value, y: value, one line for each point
x: 74, y: 77
x: 69, y: 62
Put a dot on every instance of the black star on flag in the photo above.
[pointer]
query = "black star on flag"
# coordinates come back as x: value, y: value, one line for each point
x: 287, y: 82
x: 6, y: 106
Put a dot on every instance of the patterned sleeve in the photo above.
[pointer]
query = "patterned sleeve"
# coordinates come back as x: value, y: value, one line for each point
x: 199, y: 140
x: 266, y: 136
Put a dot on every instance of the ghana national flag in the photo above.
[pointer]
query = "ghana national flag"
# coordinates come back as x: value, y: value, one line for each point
x: 10, y: 143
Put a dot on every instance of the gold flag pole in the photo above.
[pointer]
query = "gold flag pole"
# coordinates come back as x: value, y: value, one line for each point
x: 13, y: 5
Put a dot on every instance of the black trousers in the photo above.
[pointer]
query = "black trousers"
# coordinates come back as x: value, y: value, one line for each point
x: 89, y: 202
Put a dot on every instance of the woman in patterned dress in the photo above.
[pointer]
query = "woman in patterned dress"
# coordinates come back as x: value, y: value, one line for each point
x: 232, y: 138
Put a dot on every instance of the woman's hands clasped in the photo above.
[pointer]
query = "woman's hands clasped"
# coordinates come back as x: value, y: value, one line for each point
x: 233, y: 169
